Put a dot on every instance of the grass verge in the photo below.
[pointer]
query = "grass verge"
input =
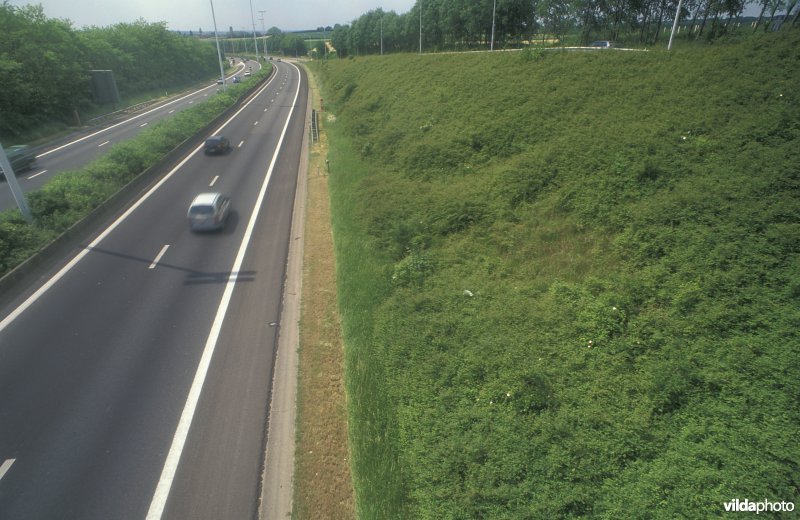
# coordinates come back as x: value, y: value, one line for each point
x: 323, y: 487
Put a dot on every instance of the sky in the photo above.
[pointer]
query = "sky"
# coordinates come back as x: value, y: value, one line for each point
x: 185, y: 15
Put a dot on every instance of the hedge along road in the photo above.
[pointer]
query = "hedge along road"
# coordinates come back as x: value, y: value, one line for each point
x: 77, y: 151
x: 138, y: 384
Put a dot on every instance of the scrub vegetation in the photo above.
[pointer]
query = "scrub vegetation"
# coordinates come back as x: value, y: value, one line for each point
x: 45, y: 64
x: 569, y: 281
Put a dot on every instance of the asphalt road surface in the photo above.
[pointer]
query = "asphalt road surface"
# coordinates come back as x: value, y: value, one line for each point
x: 135, y: 382
x: 79, y: 150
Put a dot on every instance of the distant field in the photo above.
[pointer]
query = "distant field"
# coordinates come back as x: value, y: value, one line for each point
x: 569, y: 282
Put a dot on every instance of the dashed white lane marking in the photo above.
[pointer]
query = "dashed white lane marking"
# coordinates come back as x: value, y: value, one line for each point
x: 255, y: 124
x: 35, y: 175
x: 240, y: 144
x: 171, y: 111
x: 214, y: 181
x: 158, y: 256
x: 5, y: 467
x: 161, y: 494
x: 143, y: 125
x: 103, y: 143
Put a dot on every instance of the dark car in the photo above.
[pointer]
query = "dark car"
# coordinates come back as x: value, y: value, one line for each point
x: 237, y: 79
x: 217, y: 144
x: 21, y: 157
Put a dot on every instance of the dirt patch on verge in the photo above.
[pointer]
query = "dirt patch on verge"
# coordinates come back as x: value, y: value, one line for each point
x: 323, y: 487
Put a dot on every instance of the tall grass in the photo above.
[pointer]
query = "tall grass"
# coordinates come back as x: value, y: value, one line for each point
x: 569, y: 281
x: 363, y: 285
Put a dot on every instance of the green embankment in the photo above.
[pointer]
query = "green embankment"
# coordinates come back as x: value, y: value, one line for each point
x: 569, y: 282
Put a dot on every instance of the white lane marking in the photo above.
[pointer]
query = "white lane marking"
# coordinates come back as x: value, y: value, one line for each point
x: 190, y: 102
x: 158, y: 256
x: 35, y: 175
x: 103, y: 144
x: 8, y: 320
x: 171, y: 111
x: 255, y: 124
x: 173, y: 457
x: 213, y: 181
x: 121, y: 122
x: 265, y: 110
x: 5, y: 467
x: 240, y: 144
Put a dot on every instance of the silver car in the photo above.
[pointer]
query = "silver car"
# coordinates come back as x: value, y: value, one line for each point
x: 208, y: 211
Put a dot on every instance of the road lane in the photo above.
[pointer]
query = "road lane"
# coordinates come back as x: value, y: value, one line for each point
x: 94, y: 376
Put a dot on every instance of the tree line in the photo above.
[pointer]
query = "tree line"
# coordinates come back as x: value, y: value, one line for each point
x: 45, y: 64
x: 465, y: 24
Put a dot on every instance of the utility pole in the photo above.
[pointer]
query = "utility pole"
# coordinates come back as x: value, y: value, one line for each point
x: 420, y: 26
x: 264, y: 32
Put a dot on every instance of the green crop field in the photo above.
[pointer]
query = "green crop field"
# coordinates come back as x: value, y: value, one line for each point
x: 569, y: 281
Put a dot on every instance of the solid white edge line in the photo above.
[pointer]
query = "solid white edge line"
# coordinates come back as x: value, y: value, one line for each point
x: 85, y: 251
x: 179, y: 440
x: 158, y: 256
x: 5, y: 467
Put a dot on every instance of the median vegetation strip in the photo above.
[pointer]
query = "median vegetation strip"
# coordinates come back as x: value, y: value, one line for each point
x: 568, y: 283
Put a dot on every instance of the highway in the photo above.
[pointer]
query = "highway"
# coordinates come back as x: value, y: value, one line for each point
x: 135, y: 381
x: 79, y: 150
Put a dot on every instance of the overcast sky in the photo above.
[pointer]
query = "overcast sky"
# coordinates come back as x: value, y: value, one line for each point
x: 196, y: 14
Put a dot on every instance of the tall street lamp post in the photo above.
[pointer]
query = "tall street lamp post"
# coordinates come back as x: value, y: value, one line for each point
x: 219, y: 53
x: 252, y: 18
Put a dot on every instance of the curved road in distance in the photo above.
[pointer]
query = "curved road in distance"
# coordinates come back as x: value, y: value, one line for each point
x: 138, y: 384
x: 82, y: 149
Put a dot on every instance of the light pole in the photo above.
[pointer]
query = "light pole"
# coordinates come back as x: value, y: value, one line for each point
x: 252, y: 18
x: 381, y: 35
x: 674, y: 25
x: 420, y: 26
x: 219, y: 53
x: 494, y: 8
